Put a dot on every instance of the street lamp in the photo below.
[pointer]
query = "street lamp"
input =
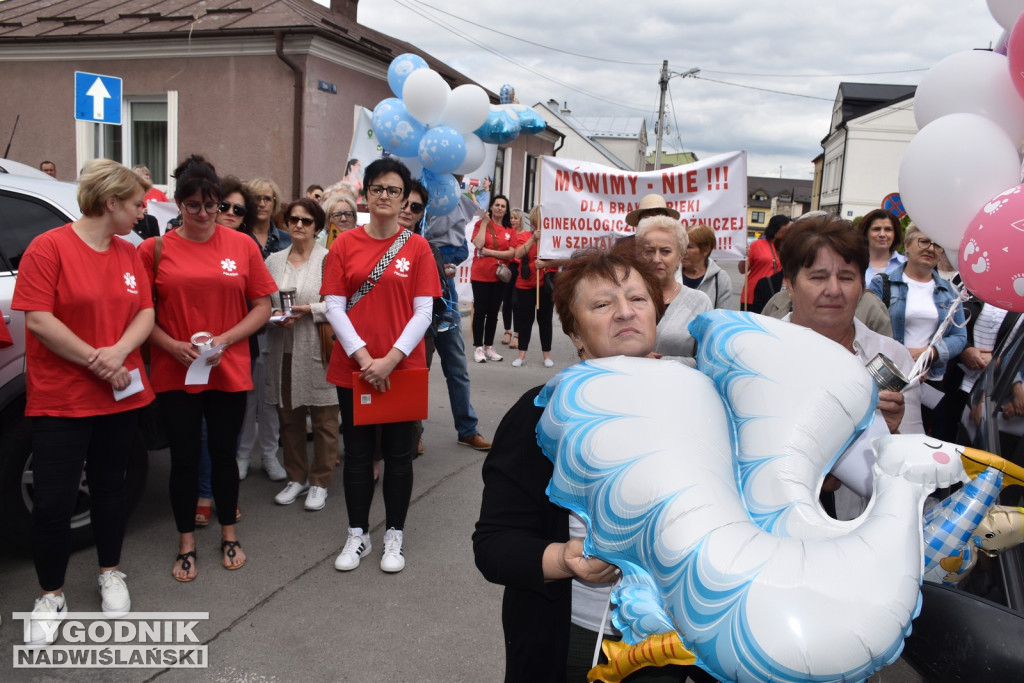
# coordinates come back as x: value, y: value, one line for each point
x: 663, y: 84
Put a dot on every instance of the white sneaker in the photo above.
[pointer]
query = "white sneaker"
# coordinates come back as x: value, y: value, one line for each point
x: 290, y: 492
x: 47, y: 613
x: 517, y: 363
x: 357, y: 545
x: 392, y: 560
x: 548, y: 363
x: 114, y: 598
x: 491, y: 354
x: 243, y: 467
x: 479, y: 355
x: 272, y: 468
x: 316, y: 498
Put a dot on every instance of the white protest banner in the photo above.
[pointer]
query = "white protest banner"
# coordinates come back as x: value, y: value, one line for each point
x: 585, y: 204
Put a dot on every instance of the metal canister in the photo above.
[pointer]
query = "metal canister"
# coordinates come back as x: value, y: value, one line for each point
x: 202, y: 341
x: 887, y: 376
x: 287, y: 300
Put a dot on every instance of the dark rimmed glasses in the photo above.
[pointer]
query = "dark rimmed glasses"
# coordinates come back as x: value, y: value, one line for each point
x: 415, y: 207
x: 193, y: 208
x: 305, y: 220
x: 378, y: 190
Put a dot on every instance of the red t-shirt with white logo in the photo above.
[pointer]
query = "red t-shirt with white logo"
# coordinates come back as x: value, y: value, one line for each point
x: 381, y: 315
x: 96, y: 295
x: 204, y: 287
x: 497, y: 237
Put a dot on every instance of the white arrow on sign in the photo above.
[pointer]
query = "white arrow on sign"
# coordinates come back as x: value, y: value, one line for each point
x: 98, y: 92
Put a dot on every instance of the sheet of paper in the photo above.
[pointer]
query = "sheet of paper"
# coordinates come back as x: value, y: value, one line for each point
x: 199, y: 371
x: 134, y: 387
x: 278, y: 318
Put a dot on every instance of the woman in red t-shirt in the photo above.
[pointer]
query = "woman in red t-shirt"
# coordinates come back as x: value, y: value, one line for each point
x: 208, y: 278
x: 381, y: 331
x: 532, y: 302
x: 762, y: 259
x: 87, y: 308
x: 492, y: 238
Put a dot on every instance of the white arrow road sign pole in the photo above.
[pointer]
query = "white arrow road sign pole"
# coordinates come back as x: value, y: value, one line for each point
x: 98, y: 93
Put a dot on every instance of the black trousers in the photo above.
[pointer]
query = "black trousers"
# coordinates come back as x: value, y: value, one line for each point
x: 509, y: 308
x: 526, y: 311
x: 183, y: 414
x: 397, y: 443
x: 61, y: 447
x: 486, y: 302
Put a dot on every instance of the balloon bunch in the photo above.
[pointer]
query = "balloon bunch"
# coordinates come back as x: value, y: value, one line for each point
x: 442, y: 129
x: 960, y: 176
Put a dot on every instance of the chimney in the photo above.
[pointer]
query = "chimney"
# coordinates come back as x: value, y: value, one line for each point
x: 346, y: 8
x: 565, y: 108
x: 553, y: 102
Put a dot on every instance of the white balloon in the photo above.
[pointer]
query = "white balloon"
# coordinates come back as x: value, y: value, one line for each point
x: 951, y: 168
x: 1006, y: 12
x: 474, y: 155
x: 425, y: 95
x: 975, y: 82
x: 467, y: 108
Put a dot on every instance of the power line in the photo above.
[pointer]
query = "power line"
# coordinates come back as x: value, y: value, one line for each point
x: 866, y: 73
x: 777, y: 92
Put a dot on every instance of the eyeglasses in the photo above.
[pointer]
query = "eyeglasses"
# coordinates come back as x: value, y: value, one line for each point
x: 264, y: 199
x: 343, y: 215
x: 414, y: 207
x: 193, y: 208
x: 378, y: 190
x: 305, y: 220
x: 237, y: 209
x: 927, y: 244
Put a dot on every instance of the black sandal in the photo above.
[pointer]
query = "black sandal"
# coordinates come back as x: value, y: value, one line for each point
x: 186, y: 566
x: 231, y: 554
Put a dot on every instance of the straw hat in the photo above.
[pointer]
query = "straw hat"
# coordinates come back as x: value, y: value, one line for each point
x: 651, y: 201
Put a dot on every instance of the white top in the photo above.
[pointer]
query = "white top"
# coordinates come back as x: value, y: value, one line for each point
x: 589, y: 600
x: 986, y: 329
x: 921, y: 318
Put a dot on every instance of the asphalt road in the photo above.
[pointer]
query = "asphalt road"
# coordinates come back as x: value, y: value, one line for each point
x: 288, y: 614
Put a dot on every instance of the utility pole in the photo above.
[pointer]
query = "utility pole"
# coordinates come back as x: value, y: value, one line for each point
x: 663, y: 79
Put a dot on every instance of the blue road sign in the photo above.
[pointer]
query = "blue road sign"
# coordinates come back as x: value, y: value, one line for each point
x: 894, y: 205
x: 97, y: 98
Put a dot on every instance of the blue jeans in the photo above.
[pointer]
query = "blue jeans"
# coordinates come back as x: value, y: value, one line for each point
x: 455, y: 256
x: 451, y: 350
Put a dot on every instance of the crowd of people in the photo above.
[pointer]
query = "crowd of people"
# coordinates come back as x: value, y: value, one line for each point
x: 262, y: 315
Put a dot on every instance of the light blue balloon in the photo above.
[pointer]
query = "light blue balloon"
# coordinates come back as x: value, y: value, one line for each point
x: 507, y: 94
x: 500, y: 127
x: 400, y: 68
x: 443, y: 190
x: 530, y: 122
x: 396, y: 129
x: 442, y: 149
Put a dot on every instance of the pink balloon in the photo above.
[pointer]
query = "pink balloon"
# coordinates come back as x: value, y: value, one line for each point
x: 1015, y: 53
x: 992, y: 251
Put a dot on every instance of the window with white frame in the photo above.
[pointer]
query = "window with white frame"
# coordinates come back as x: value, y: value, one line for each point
x: 141, y: 140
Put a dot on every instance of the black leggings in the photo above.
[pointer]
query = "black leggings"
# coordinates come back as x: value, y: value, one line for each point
x: 184, y: 413
x: 508, y: 299
x: 486, y: 301
x: 397, y: 444
x: 527, y: 309
x: 61, y: 447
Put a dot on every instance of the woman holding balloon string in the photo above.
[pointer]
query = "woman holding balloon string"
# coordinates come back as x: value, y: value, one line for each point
x: 492, y: 238
x: 534, y: 299
x: 555, y: 597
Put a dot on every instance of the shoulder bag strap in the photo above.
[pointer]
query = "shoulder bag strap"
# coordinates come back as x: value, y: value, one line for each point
x: 158, y: 249
x: 378, y: 270
x: 886, y: 289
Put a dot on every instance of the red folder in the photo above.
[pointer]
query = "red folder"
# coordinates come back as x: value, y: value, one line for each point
x: 405, y: 401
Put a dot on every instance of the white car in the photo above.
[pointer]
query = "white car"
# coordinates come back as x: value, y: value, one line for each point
x: 30, y: 206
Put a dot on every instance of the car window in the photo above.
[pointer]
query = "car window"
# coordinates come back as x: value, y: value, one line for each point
x: 21, y: 219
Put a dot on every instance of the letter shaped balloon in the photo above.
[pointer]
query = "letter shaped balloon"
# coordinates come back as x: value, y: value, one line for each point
x: 664, y: 497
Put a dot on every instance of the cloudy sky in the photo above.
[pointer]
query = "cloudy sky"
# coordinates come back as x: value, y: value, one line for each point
x: 603, y: 57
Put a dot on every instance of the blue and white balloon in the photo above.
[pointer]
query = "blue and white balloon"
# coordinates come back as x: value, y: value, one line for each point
x: 507, y: 94
x: 530, y: 122
x: 500, y: 127
x: 396, y: 129
x: 442, y: 149
x: 400, y: 68
x: 443, y: 190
